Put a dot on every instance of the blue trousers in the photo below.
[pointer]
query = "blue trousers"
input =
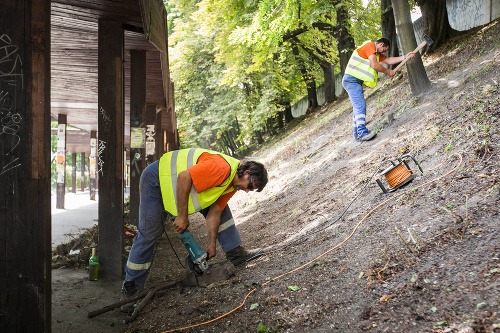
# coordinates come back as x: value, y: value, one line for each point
x: 354, y: 88
x: 151, y: 217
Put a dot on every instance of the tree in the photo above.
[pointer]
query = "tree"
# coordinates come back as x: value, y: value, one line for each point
x: 419, y: 82
x: 436, y: 23
x: 389, y: 27
x: 345, y: 40
x: 238, y: 66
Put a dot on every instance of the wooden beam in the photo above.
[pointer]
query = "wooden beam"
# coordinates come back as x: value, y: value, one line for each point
x: 111, y: 114
x: 82, y: 171
x: 73, y: 173
x: 137, y: 108
x: 25, y: 234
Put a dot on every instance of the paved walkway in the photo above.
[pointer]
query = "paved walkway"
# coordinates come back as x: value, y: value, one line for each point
x: 79, y: 214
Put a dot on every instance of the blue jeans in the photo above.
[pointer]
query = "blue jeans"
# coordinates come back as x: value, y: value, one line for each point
x: 354, y: 88
x: 151, y: 217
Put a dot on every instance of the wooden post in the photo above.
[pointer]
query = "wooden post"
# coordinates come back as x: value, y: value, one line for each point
x: 73, y: 173
x: 82, y: 171
x: 160, y: 135
x: 25, y: 217
x: 137, y: 128
x: 93, y: 164
x: 110, y: 147
x: 61, y: 160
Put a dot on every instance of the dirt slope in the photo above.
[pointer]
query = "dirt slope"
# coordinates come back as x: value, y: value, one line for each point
x: 426, y: 260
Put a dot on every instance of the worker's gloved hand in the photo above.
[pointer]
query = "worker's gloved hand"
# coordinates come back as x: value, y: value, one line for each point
x: 211, y: 250
x: 181, y: 224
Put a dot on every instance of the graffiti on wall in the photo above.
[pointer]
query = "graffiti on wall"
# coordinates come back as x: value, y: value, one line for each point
x: 467, y: 14
x: 11, y: 121
x: 92, y: 167
x: 100, y: 159
x: 150, y: 140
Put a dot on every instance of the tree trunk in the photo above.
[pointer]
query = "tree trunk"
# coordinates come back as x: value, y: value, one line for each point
x: 345, y: 41
x: 260, y: 139
x: 419, y: 82
x: 232, y: 134
x: 309, y: 80
x: 279, y: 119
x: 389, y: 27
x: 329, y: 83
x: 226, y: 147
x: 288, y: 114
x: 270, y: 126
x: 436, y: 24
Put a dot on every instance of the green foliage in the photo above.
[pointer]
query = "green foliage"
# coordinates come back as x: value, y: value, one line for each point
x: 236, y: 64
x: 262, y: 328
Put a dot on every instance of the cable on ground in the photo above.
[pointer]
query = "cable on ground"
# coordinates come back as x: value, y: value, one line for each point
x: 327, y: 251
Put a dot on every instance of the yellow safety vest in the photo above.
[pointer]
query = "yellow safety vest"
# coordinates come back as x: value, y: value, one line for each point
x: 174, y: 162
x: 360, y: 68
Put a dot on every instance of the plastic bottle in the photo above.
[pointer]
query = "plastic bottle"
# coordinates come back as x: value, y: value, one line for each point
x: 93, y: 266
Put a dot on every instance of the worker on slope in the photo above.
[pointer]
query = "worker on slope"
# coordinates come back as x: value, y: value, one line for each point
x: 363, y: 68
x: 184, y: 182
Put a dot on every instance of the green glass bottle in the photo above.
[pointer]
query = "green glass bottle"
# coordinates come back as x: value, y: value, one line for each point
x: 93, y: 266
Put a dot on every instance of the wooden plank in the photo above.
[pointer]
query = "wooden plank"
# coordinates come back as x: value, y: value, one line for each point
x: 110, y: 147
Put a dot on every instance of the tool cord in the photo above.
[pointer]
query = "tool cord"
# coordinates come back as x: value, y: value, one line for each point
x: 303, y: 238
x: 327, y: 251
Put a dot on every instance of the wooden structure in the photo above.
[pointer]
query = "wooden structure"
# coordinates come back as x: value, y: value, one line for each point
x: 72, y: 60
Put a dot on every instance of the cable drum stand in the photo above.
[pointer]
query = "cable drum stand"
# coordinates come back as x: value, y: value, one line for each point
x: 398, y: 174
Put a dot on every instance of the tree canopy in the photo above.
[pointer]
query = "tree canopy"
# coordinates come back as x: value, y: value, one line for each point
x: 238, y: 64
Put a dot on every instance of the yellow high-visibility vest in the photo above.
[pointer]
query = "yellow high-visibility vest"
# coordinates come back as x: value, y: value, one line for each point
x: 360, y: 68
x: 174, y: 162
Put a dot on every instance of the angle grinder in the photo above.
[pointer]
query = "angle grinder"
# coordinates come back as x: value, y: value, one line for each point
x: 196, y: 260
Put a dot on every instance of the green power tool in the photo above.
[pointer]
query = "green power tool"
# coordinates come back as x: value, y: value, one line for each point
x: 196, y: 261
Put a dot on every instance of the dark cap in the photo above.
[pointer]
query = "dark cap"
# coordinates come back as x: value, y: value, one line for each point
x: 384, y: 41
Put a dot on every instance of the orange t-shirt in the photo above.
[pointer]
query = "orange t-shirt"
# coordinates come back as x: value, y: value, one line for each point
x: 210, y: 171
x: 368, y: 49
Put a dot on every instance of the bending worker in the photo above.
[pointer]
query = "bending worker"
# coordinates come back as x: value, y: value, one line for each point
x: 363, y: 68
x: 184, y: 182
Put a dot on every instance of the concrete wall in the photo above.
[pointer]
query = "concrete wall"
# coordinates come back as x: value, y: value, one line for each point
x: 300, y: 108
x: 467, y: 14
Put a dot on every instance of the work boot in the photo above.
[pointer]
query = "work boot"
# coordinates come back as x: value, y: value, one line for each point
x: 367, y: 137
x: 240, y: 255
x: 128, y: 289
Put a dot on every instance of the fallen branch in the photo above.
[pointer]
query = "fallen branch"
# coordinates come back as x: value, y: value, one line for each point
x: 133, y: 298
x: 139, y: 307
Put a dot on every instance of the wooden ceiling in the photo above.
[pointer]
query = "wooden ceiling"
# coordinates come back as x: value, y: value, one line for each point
x: 74, y: 42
